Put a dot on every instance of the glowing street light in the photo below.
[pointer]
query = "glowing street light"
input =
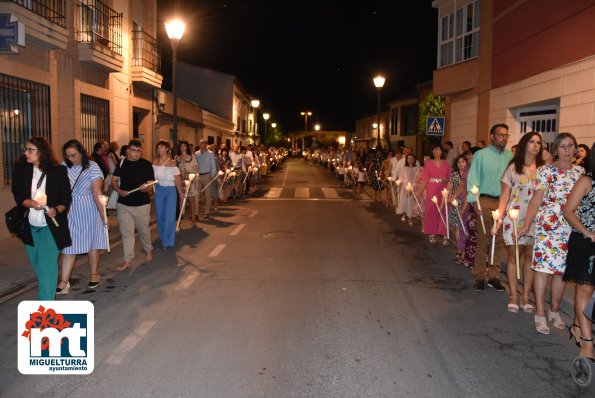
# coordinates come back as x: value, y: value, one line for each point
x: 175, y: 31
x: 305, y: 114
x: 266, y: 117
x: 379, y: 83
x: 255, y: 104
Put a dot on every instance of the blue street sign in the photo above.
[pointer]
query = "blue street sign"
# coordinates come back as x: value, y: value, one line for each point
x: 12, y: 34
x: 435, y: 125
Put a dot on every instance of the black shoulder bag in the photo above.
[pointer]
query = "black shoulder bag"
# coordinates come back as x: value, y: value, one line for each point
x: 16, y: 218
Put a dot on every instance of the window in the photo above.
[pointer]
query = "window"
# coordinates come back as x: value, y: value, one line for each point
x: 459, y: 35
x: 394, y: 121
x: 94, y: 121
x: 409, y: 119
x: 210, y: 140
x: 24, y: 112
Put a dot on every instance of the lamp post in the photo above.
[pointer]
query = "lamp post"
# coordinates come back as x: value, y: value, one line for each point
x: 379, y: 83
x: 255, y: 104
x: 266, y: 117
x: 175, y: 31
x: 305, y: 114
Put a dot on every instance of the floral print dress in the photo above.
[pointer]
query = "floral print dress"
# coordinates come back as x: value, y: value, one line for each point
x: 551, y: 228
x: 521, y: 191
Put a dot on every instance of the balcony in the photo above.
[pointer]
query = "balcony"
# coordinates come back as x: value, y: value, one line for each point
x: 99, y: 35
x: 146, y: 60
x: 44, y: 20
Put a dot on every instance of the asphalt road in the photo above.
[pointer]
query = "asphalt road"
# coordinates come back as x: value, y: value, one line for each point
x: 301, y: 291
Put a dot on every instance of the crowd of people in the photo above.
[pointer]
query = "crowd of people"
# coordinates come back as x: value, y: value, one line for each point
x: 533, y: 207
x: 65, y: 203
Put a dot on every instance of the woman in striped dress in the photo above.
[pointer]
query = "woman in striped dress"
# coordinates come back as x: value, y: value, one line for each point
x: 85, y: 217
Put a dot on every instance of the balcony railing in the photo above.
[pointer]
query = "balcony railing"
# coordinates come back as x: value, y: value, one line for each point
x: 99, y: 24
x: 52, y: 10
x: 146, y: 51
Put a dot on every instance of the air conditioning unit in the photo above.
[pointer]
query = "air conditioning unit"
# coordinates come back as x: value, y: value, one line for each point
x: 161, y: 99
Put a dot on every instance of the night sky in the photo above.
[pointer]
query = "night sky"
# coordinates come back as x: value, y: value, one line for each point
x: 309, y: 55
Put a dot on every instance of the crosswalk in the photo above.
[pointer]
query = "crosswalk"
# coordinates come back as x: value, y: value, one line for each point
x: 306, y: 193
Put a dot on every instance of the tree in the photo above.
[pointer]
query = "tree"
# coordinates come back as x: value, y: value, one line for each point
x: 432, y: 105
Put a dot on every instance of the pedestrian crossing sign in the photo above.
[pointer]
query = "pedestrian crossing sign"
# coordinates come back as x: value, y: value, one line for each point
x: 435, y: 125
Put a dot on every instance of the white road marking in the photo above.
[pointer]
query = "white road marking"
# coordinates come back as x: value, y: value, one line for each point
x: 237, y: 230
x: 302, y: 192
x: 274, y: 193
x: 217, y: 250
x: 253, y: 213
x: 118, y: 354
x: 187, y: 281
x: 330, y: 193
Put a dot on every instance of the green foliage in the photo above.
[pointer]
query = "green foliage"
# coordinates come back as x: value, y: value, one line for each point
x: 433, y: 105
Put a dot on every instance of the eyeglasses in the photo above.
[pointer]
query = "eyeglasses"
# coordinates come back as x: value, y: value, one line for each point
x: 567, y: 146
x: 71, y: 155
x: 502, y: 135
x: 134, y: 149
x: 27, y: 149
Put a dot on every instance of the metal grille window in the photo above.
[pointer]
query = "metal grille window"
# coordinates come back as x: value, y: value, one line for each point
x: 94, y: 121
x: 99, y: 24
x: 459, y: 35
x: 146, y: 51
x: 52, y: 10
x: 24, y: 112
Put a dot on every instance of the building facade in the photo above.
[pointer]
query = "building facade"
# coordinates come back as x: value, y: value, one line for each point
x: 496, y: 66
x: 86, y: 69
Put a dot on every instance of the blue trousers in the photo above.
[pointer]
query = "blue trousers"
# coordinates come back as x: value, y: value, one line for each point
x: 165, y: 208
x: 44, y: 260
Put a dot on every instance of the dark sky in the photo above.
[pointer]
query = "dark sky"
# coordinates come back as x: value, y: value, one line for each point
x: 309, y: 55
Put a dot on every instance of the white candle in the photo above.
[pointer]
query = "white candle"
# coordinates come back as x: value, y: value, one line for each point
x: 435, y: 200
x: 42, y: 199
x: 148, y: 184
x: 445, y: 201
x: 475, y: 192
x: 455, y: 203
x: 496, y: 217
x: 514, y: 216
x: 104, y: 199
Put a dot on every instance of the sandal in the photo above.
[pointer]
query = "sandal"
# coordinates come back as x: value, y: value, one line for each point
x: 527, y: 306
x: 514, y: 308
x: 541, y: 325
x: 445, y: 241
x: 555, y: 317
x: 432, y: 239
x: 576, y: 339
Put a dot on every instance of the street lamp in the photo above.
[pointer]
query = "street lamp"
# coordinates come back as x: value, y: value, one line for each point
x: 305, y: 114
x: 266, y: 117
x: 379, y: 83
x: 317, y: 127
x: 175, y: 31
x: 255, y: 104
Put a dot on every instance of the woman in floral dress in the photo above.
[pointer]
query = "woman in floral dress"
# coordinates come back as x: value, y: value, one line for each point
x: 580, y: 214
x: 374, y: 168
x: 554, y: 183
x: 518, y: 183
x: 457, y: 191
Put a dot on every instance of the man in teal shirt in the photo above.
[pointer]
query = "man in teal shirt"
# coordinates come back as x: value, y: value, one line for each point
x: 485, y: 173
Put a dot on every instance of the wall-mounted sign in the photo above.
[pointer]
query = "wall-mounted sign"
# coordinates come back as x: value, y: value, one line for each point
x: 12, y: 34
x: 435, y: 125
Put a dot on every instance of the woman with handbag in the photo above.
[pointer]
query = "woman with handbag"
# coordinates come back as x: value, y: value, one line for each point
x: 41, y: 186
x: 85, y: 218
x: 580, y: 214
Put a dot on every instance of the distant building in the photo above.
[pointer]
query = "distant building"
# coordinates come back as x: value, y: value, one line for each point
x: 528, y: 64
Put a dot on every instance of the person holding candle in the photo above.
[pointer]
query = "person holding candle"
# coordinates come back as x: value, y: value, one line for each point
x: 85, y: 217
x: 187, y: 165
x: 134, y: 208
x: 407, y: 175
x: 37, y: 174
x: 484, y: 189
x: 208, y: 169
x: 168, y: 188
x: 518, y: 183
x: 457, y: 186
x: 580, y: 214
x: 434, y: 178
x: 554, y: 183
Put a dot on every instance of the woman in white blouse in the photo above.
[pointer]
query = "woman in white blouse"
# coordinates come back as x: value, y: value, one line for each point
x: 169, y: 181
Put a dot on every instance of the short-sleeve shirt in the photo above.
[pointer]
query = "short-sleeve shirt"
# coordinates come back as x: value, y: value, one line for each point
x: 132, y: 175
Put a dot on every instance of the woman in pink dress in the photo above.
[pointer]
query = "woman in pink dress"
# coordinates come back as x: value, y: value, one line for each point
x: 435, y: 177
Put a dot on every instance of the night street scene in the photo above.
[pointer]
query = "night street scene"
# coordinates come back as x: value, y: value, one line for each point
x: 253, y: 198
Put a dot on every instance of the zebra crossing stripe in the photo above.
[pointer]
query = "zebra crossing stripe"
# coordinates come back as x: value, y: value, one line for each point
x: 302, y: 192
x: 273, y: 193
x: 330, y: 193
